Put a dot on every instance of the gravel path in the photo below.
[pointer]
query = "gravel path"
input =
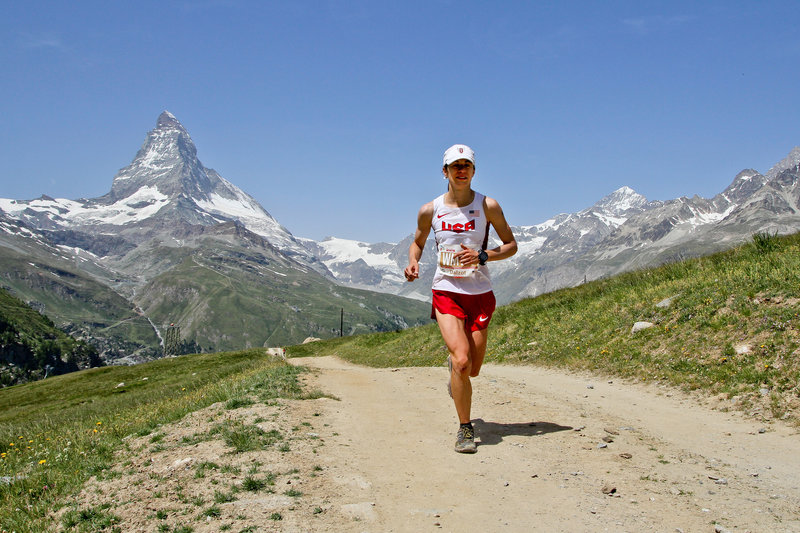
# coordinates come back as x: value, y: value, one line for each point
x: 557, y: 452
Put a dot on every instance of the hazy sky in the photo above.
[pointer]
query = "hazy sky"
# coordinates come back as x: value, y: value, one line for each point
x: 334, y: 114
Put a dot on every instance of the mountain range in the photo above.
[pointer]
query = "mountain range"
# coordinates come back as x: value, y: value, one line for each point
x: 175, y: 245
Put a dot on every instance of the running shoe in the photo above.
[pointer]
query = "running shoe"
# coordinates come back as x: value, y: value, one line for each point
x: 465, y: 440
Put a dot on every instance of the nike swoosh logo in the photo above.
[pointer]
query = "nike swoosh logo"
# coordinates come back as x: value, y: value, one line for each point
x: 483, y: 318
x: 440, y: 216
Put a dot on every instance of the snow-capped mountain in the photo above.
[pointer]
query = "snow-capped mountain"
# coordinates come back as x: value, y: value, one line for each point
x: 359, y: 264
x: 175, y: 243
x: 672, y: 230
x: 165, y: 185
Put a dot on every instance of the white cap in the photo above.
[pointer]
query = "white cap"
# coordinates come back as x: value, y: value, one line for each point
x: 459, y: 151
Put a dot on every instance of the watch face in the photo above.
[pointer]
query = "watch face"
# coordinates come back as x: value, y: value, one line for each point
x: 483, y: 257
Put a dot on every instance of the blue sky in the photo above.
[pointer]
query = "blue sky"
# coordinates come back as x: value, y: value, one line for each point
x: 335, y: 114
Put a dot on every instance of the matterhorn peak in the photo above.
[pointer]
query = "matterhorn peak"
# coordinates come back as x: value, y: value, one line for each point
x: 167, y: 120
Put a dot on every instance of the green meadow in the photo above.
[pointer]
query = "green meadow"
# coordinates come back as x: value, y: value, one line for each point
x: 725, y: 325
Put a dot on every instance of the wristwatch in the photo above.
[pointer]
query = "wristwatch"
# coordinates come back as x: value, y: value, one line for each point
x: 483, y: 257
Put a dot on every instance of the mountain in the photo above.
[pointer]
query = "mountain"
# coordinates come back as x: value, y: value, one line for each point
x: 621, y: 232
x: 175, y: 245
x: 165, y: 185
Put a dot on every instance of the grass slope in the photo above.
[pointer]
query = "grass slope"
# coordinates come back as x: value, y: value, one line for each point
x: 57, y: 433
x: 228, y: 298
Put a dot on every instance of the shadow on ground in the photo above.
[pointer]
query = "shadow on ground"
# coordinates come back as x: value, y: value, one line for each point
x: 493, y: 432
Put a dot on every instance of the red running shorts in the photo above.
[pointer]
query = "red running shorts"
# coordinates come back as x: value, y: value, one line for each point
x: 474, y: 309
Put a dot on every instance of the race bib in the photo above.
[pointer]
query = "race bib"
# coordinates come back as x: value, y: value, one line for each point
x: 451, y: 266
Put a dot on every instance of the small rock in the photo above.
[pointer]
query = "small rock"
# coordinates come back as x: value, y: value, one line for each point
x: 608, y: 439
x: 120, y: 385
x: 609, y: 489
x: 626, y: 455
x: 639, y: 326
x: 762, y: 430
x: 666, y: 302
x: 602, y: 445
x: 611, y: 431
x: 742, y: 349
x: 719, y: 529
x: 580, y: 428
x: 589, y: 386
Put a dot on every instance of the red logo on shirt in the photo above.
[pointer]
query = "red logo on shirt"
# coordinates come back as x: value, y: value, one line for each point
x: 458, y: 228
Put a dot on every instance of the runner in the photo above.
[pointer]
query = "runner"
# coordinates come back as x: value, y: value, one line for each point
x: 463, y: 301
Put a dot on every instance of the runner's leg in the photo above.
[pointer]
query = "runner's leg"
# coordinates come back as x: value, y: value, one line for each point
x: 458, y: 344
x: 477, y: 347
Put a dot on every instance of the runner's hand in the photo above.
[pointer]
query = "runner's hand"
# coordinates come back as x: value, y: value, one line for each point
x: 467, y: 256
x: 412, y: 271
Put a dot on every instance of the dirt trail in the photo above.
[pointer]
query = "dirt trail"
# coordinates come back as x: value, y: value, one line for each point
x: 543, y: 464
x: 557, y: 452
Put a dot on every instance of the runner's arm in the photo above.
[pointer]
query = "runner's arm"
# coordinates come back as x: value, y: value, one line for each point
x: 424, y: 219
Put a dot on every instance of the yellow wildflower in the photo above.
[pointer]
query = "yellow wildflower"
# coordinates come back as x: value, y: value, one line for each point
x: 43, y: 461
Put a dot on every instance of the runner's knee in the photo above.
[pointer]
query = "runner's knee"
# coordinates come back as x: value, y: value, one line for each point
x: 461, y: 365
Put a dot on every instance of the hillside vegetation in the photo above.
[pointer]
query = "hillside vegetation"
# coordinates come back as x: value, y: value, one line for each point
x: 726, y: 325
x: 31, y: 346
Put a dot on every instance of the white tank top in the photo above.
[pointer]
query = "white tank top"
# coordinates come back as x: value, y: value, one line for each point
x: 452, y: 227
